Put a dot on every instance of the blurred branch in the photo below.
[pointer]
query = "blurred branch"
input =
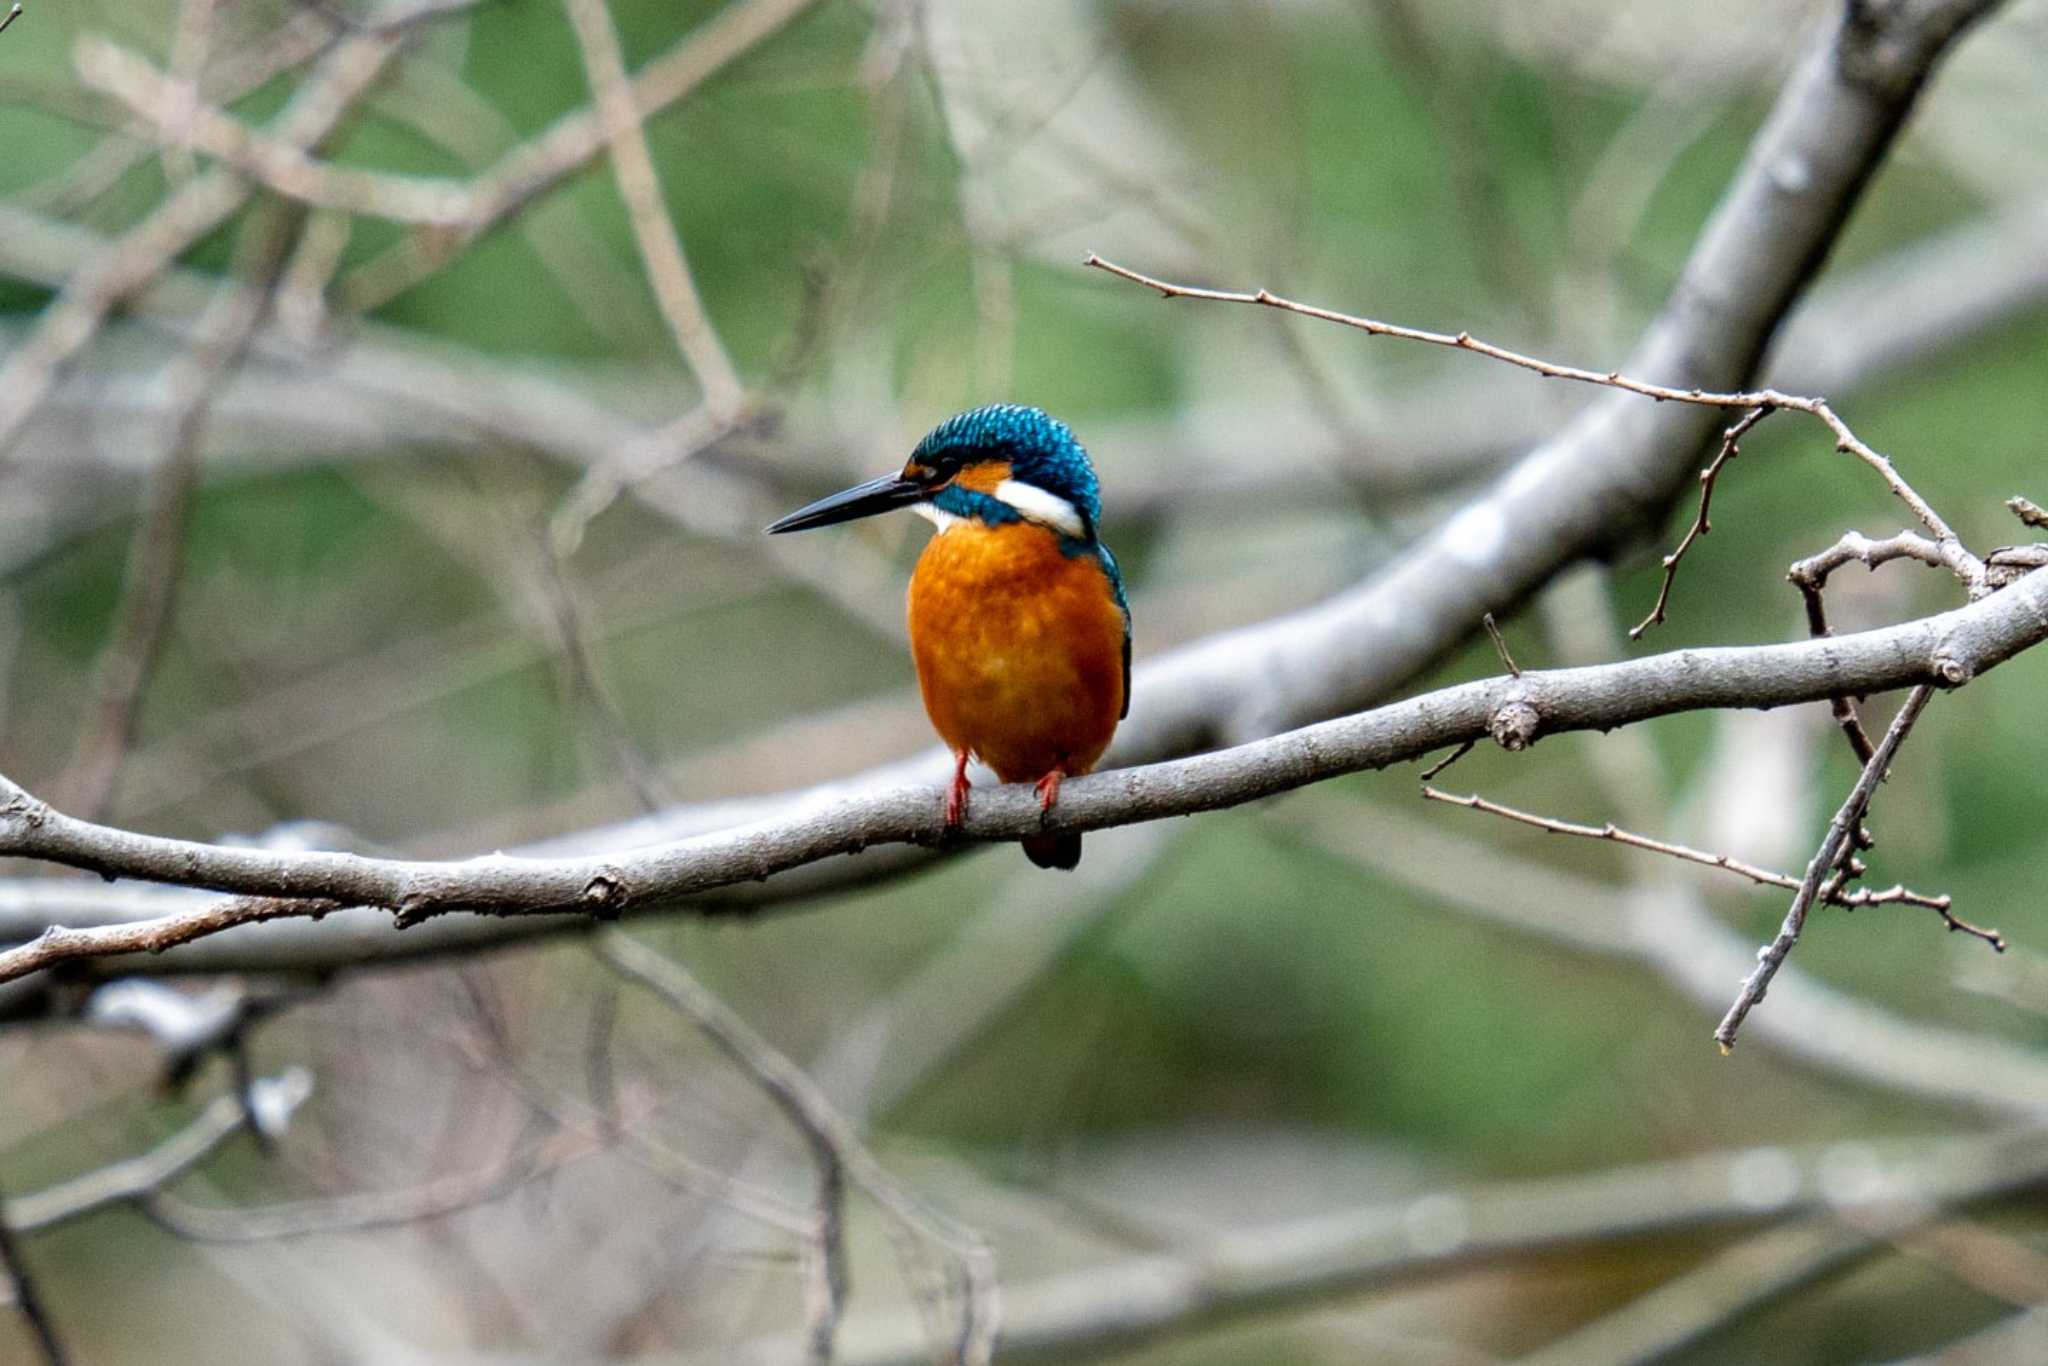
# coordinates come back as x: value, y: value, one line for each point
x: 150, y: 580
x: 1758, y: 1271
x: 1944, y: 650
x: 368, y: 1209
x: 834, y: 1143
x: 1665, y: 927
x: 460, y: 210
x: 15, y: 1278
x: 129, y: 264
x: 1072, y: 1315
x: 540, y: 164
x: 228, y: 78
x: 1618, y: 463
x: 661, y: 250
x: 2017, y: 1337
x: 1720, y: 1290
x: 138, y: 1178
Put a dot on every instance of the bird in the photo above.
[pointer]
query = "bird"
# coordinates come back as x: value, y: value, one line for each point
x: 1019, y: 628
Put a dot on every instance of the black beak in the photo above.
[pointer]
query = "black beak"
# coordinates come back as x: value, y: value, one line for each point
x: 862, y: 500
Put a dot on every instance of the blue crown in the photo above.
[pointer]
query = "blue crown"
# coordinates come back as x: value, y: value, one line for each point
x: 1040, y: 449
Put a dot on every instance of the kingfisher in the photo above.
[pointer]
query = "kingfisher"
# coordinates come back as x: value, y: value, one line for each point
x: 1018, y: 624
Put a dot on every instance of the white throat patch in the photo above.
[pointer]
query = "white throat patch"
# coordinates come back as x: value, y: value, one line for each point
x: 937, y: 516
x: 1047, y: 509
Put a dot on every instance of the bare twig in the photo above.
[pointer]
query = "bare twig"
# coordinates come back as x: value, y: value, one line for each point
x: 545, y: 161
x: 362, y: 1210
x: 1940, y: 650
x: 1440, y: 765
x: 64, y: 328
x: 296, y: 40
x: 1700, y: 525
x: 1827, y: 866
x: 150, y: 582
x: 190, y: 38
x: 1953, y: 554
x: 1761, y: 876
x: 14, y: 1272
x: 1500, y: 645
x: 13, y: 13
x: 835, y: 1145
x: 1662, y: 927
x: 2029, y: 512
x: 1810, y: 577
x: 661, y: 250
x: 137, y: 1178
x: 1147, y: 1296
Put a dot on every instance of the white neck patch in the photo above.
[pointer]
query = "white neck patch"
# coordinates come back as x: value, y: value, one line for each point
x: 1047, y: 509
x: 937, y: 516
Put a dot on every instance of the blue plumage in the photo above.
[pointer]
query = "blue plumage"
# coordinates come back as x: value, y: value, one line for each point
x: 1040, y: 449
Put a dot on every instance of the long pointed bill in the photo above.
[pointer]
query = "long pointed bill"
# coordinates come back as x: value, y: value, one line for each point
x: 862, y: 500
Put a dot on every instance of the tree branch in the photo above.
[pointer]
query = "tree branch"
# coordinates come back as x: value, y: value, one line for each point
x: 1830, y: 865
x: 1948, y: 649
x: 834, y: 1143
x: 1067, y: 1316
x: 14, y: 1273
x: 1577, y: 493
x: 139, y: 1177
x: 64, y: 328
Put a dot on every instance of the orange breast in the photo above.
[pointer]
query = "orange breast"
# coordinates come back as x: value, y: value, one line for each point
x: 1019, y: 649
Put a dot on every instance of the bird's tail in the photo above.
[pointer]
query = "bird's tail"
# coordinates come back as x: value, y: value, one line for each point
x: 1053, y: 851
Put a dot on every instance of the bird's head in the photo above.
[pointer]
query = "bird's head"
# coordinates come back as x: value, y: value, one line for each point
x: 1002, y: 463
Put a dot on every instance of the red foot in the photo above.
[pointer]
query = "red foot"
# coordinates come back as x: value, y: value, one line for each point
x: 956, y: 791
x: 1049, y: 789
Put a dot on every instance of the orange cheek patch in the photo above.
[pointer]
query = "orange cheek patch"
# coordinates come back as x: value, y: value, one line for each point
x: 984, y: 477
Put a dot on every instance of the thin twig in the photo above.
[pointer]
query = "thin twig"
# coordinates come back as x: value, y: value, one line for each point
x: 550, y: 157
x: 1835, y: 846
x: 92, y: 292
x: 13, y: 13
x: 1810, y: 577
x: 838, y: 1149
x: 28, y: 1298
x: 661, y: 250
x: 1730, y: 448
x: 363, y: 1210
x: 1440, y: 765
x: 138, y: 1177
x: 2028, y: 511
x: 1500, y: 645
x: 150, y: 583
x: 1761, y: 876
x: 290, y: 45
x: 1955, y: 556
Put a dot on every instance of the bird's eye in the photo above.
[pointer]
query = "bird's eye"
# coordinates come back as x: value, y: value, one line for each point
x: 944, y: 468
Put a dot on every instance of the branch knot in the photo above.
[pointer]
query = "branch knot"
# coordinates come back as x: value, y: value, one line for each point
x: 1514, y: 724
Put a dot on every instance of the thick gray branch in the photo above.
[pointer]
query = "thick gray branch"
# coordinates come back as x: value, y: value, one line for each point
x: 1615, y: 468
x: 1944, y: 650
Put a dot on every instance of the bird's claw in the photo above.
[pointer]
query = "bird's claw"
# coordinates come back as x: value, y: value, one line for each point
x: 1048, y: 789
x: 956, y: 795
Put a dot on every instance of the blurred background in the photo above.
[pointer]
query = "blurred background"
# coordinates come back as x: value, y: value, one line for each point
x: 400, y: 525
